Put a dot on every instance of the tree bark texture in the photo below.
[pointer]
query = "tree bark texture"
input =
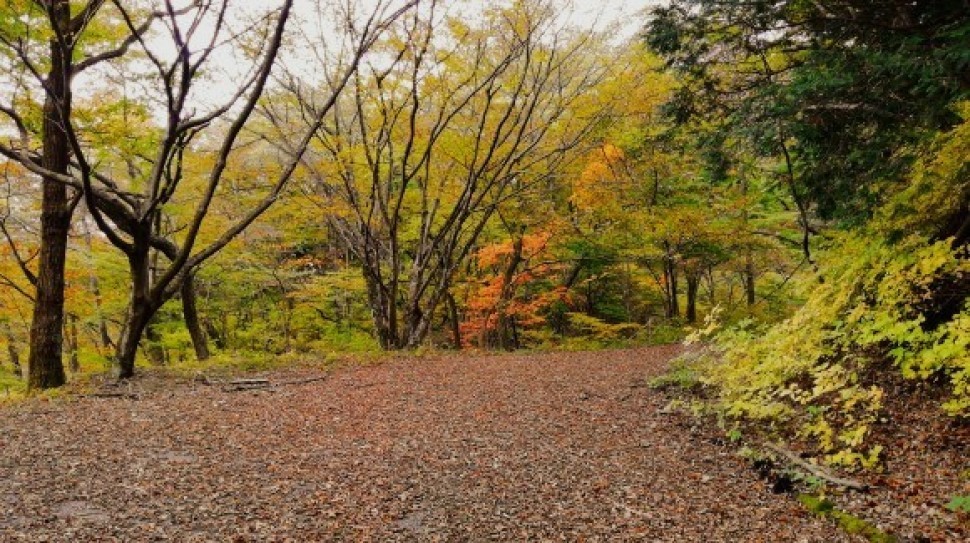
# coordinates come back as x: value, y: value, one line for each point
x: 190, y: 313
x: 45, y: 364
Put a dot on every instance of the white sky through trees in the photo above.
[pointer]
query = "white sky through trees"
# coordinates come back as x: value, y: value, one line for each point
x: 226, y: 68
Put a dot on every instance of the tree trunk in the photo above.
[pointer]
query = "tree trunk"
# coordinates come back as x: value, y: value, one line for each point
x: 12, y: 350
x: 711, y: 286
x: 45, y: 366
x: 749, y: 280
x: 140, y: 308
x: 211, y: 331
x: 75, y: 363
x: 95, y: 285
x: 454, y: 320
x: 504, y: 328
x: 670, y: 283
x: 191, y: 315
x: 693, y: 286
x: 749, y: 271
x: 154, y: 349
x: 382, y: 311
x: 417, y: 327
x: 98, y: 306
x: 386, y: 335
x: 127, y: 350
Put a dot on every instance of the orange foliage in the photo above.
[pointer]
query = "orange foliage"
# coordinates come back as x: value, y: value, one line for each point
x: 500, y: 294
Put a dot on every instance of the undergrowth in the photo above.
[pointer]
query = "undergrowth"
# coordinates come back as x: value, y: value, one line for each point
x: 817, y: 371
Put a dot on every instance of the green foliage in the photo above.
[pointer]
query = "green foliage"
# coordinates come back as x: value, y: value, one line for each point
x: 851, y: 89
x: 662, y: 333
x: 871, y: 311
x: 237, y: 361
x: 11, y: 386
x: 682, y: 376
x: 848, y: 522
x: 959, y: 504
x: 601, y: 331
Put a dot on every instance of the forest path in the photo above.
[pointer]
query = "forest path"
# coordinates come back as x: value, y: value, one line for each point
x: 557, y: 446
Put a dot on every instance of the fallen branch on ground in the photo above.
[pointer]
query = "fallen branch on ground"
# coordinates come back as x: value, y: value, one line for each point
x: 128, y: 395
x: 249, y: 382
x: 254, y: 384
x: 817, y: 470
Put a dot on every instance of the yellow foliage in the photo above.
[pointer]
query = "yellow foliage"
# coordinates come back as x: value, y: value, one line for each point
x: 869, y: 311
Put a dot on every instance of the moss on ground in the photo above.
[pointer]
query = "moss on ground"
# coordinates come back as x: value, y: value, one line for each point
x: 851, y: 524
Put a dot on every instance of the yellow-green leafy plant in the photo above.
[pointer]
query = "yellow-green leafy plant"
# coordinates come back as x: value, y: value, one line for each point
x: 890, y: 298
x: 869, y: 314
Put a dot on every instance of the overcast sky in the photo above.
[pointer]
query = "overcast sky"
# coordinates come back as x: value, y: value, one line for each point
x: 625, y: 16
x: 625, y: 12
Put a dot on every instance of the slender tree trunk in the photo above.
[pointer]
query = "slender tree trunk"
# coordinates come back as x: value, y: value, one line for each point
x: 45, y: 366
x: 670, y: 283
x: 95, y: 286
x: 229, y: 336
x: 505, y: 324
x: 573, y: 274
x: 190, y: 313
x: 12, y: 350
x: 211, y: 331
x: 749, y: 279
x: 711, y: 292
x: 287, y: 323
x: 628, y: 291
x: 693, y: 286
x: 154, y: 349
x: 72, y: 339
x: 749, y: 271
x: 454, y: 320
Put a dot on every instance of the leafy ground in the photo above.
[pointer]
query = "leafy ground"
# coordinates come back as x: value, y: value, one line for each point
x: 558, y: 446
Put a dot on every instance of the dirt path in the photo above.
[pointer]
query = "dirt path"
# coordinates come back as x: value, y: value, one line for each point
x: 513, y: 448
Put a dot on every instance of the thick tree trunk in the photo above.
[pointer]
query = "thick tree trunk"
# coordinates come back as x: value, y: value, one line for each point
x: 505, y: 327
x: 190, y: 313
x: 382, y: 312
x: 141, y: 308
x: 127, y: 349
x: 417, y: 326
x: 386, y: 331
x: 45, y: 366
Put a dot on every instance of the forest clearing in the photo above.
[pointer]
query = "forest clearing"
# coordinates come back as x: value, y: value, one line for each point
x: 572, y: 446
x: 656, y: 270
